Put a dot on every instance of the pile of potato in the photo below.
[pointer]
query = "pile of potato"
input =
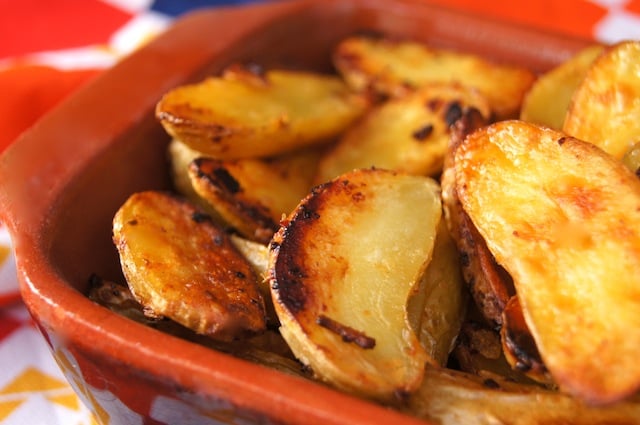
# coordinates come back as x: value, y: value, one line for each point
x: 456, y: 238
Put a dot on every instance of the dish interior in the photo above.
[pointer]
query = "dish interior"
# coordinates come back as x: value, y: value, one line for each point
x: 135, y: 158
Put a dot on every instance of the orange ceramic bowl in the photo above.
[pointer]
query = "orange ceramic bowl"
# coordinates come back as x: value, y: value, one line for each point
x: 64, y: 179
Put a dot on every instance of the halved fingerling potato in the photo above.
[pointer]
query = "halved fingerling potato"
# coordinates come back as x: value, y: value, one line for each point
x: 178, y: 264
x: 392, y: 67
x: 252, y: 195
x: 605, y: 108
x: 409, y: 133
x: 342, y: 268
x: 547, y: 101
x: 241, y: 114
x: 563, y: 218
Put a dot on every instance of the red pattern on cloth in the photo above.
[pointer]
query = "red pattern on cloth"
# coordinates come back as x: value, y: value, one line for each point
x: 28, y: 26
x: 8, y: 325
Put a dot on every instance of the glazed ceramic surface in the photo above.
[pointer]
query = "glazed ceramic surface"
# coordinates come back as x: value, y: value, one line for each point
x: 63, y: 181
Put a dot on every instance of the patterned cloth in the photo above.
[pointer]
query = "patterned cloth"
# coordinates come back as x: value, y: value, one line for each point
x: 50, y: 48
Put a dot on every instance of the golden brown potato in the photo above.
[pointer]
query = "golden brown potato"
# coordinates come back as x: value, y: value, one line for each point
x: 409, y: 133
x: 563, y: 218
x: 605, y: 108
x: 393, y: 66
x: 252, y: 195
x: 243, y: 115
x: 452, y: 397
x: 342, y: 268
x: 547, y: 101
x: 233, y: 191
x: 178, y: 264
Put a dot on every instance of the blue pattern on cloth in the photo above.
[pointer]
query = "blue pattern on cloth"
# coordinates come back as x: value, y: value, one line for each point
x: 179, y: 7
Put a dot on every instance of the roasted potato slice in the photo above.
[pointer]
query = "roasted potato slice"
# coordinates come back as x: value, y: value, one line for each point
x: 563, y: 218
x: 393, y: 66
x: 342, y: 268
x: 605, y: 108
x: 178, y: 264
x: 241, y: 114
x: 252, y: 195
x: 409, y: 133
x: 439, y: 303
x: 452, y: 397
x: 547, y: 101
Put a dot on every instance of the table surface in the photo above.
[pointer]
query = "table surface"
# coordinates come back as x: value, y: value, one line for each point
x: 70, y: 42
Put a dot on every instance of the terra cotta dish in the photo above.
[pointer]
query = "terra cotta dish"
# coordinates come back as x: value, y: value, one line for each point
x: 64, y: 179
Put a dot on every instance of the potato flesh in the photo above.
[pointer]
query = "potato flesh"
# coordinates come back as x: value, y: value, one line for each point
x: 606, y: 106
x: 563, y: 218
x: 439, y: 302
x: 409, y: 134
x: 352, y: 253
x: 179, y: 265
x: 392, y: 67
x: 547, y: 101
x: 244, y: 115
